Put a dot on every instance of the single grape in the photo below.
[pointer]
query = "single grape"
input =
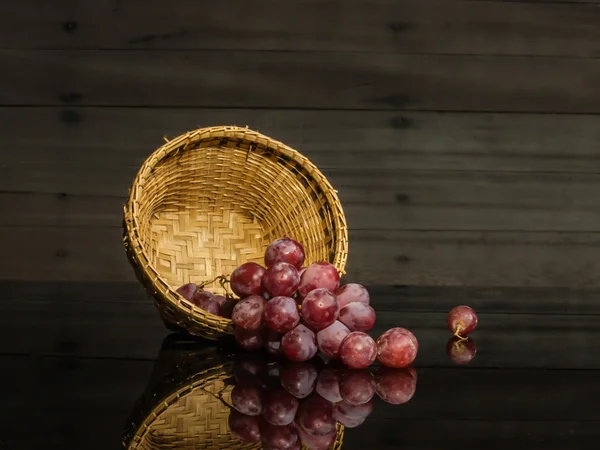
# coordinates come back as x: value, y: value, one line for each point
x: 315, y: 415
x: 247, y: 399
x: 281, y: 314
x: 243, y: 427
x: 320, y: 308
x: 187, y: 291
x: 279, y: 407
x: 207, y: 301
x: 249, y: 340
x: 300, y: 344
x: 356, y: 411
x: 328, y: 385
x: 273, y: 343
x: 357, y: 316
x: 395, y: 386
x: 278, y: 437
x: 330, y: 339
x: 316, y: 442
x: 299, y: 379
x: 351, y: 293
x: 319, y: 275
x: 227, y: 307
x: 397, y: 348
x: 358, y: 350
x: 248, y: 313
x: 357, y: 387
x: 247, y: 279
x: 281, y: 279
x: 460, y: 350
x: 348, y: 422
x: 462, y: 320
x: 285, y: 250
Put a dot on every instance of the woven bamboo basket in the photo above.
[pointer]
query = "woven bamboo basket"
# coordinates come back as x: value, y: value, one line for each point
x: 214, y: 198
x: 185, y: 403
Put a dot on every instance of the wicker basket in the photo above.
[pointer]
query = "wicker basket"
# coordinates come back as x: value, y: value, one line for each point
x: 214, y: 198
x: 184, y: 405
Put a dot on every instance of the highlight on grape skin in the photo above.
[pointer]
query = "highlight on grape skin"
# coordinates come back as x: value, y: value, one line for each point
x: 320, y: 308
x: 330, y: 339
x: 352, y: 293
x: 319, y: 275
x: 357, y: 316
x: 281, y: 314
x: 358, y: 350
x: 247, y: 279
x: 299, y: 344
x: 281, y: 279
x: 357, y: 387
x: 248, y: 313
x: 299, y: 379
x: 462, y: 321
x: 285, y: 250
x: 247, y: 400
x: 461, y: 351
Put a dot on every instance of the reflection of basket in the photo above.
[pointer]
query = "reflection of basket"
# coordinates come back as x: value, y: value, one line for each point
x: 185, y: 404
x: 214, y: 198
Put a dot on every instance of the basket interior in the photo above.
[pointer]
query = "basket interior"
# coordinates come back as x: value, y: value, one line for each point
x: 206, y: 210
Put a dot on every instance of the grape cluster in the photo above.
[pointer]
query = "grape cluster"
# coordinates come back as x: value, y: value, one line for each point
x: 285, y: 406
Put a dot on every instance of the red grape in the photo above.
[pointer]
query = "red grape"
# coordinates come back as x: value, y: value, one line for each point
x: 320, y: 308
x: 357, y: 387
x: 317, y: 442
x: 285, y: 250
x: 273, y: 343
x: 395, y: 386
x: 220, y: 299
x: 299, y: 379
x: 281, y: 279
x: 328, y: 385
x: 248, y: 313
x: 247, y: 399
x: 330, y: 338
x: 348, y: 422
x: 281, y: 314
x: 300, y: 344
x: 278, y: 437
x: 249, y: 340
x: 207, y: 301
x: 460, y: 350
x: 319, y: 275
x: 462, y: 320
x: 227, y: 307
x: 357, y: 316
x: 397, y: 348
x: 315, y: 415
x: 301, y: 271
x: 279, y: 407
x: 187, y: 291
x: 358, y: 350
x: 356, y: 411
x: 352, y: 292
x: 247, y: 279
x: 243, y: 427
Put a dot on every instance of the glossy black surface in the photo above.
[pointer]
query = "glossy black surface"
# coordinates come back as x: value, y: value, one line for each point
x: 76, y: 357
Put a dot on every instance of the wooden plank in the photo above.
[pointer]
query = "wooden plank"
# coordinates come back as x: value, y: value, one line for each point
x: 332, y: 139
x: 300, y: 80
x: 134, y: 330
x: 372, y: 199
x: 492, y: 300
x: 439, y: 258
x: 507, y: 28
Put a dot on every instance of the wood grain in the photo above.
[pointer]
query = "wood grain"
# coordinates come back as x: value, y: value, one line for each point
x: 508, y: 28
x: 440, y: 258
x: 124, y: 137
x: 300, y: 80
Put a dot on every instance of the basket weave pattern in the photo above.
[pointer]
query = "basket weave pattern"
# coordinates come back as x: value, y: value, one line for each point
x: 214, y: 198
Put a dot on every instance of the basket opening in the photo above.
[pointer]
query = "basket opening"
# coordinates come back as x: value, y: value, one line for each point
x: 204, y: 211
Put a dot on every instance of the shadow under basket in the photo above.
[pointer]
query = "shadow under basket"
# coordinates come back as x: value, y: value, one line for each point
x: 214, y: 198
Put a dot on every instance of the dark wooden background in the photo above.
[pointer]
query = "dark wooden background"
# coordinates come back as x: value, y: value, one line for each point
x: 464, y: 140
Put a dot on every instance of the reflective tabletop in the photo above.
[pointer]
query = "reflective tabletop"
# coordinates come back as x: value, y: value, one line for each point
x: 92, y: 367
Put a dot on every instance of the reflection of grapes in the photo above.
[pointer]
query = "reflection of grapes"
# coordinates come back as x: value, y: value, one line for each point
x: 279, y: 407
x: 315, y: 415
x: 249, y: 340
x: 247, y: 400
x: 243, y: 427
x: 461, y: 350
x: 316, y: 442
x: 278, y: 437
x: 348, y: 422
x: 273, y: 343
x: 357, y: 387
x: 395, y: 386
x: 328, y: 385
x: 299, y: 379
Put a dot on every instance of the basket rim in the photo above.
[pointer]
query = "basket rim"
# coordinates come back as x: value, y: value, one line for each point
x: 193, y: 139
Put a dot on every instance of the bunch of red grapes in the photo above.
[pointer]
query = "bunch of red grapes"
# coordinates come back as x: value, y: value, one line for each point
x: 300, y: 403
x: 296, y: 311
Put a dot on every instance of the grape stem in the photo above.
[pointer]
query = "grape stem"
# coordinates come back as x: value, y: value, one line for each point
x: 457, y: 333
x: 222, y: 279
